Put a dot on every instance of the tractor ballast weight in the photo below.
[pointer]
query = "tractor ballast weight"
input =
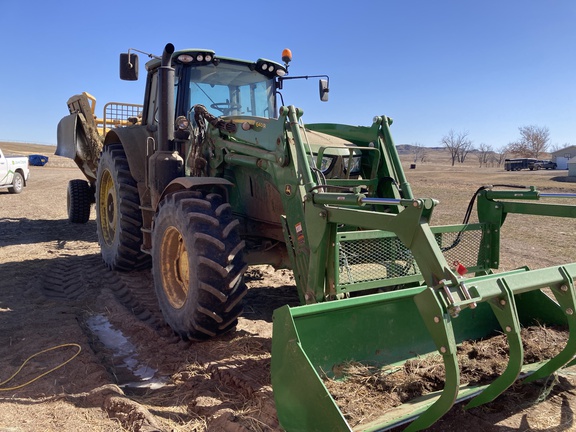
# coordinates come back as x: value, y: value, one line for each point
x: 207, y: 190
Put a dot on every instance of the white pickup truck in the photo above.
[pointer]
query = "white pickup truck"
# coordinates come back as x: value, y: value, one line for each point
x: 14, y: 172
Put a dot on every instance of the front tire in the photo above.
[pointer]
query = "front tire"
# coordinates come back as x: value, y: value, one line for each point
x: 118, y: 214
x: 198, y: 262
x: 79, y: 198
x: 17, y: 184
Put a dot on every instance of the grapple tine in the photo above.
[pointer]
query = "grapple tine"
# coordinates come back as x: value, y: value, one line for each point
x: 440, y: 328
x: 504, y: 309
x: 566, y: 297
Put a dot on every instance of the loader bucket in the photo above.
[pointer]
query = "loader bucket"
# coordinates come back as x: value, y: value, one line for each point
x: 313, y: 343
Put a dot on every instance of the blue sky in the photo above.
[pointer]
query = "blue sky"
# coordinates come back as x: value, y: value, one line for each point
x: 484, y: 67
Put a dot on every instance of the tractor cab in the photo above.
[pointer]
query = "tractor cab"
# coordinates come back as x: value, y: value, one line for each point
x: 225, y: 86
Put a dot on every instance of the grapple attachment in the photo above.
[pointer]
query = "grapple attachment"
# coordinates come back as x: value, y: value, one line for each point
x: 403, y: 292
x: 312, y: 343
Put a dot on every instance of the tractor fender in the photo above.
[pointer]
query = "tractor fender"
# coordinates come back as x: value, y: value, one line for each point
x: 67, y: 134
x: 191, y: 183
x: 73, y: 143
x: 134, y: 140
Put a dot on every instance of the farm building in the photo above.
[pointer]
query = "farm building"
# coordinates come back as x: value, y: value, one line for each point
x: 562, y: 156
x: 572, y: 167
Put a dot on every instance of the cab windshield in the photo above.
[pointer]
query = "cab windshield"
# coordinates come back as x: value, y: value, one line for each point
x: 231, y: 89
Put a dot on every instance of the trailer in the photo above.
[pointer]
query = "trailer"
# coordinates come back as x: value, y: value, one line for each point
x: 518, y: 164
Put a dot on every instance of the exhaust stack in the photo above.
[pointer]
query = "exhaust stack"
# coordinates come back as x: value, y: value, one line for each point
x: 165, y: 164
x: 166, y: 96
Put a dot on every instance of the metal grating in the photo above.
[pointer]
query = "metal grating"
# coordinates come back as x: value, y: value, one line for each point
x: 374, y: 259
x: 384, y: 257
x: 463, y: 247
x: 118, y: 114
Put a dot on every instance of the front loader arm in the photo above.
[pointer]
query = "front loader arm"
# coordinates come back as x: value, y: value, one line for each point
x: 312, y: 240
x: 351, y: 242
x: 409, y: 226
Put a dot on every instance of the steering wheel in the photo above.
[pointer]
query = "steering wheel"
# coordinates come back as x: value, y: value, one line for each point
x: 225, y: 107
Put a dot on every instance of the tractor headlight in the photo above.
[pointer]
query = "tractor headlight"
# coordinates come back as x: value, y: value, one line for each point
x: 270, y: 69
x: 356, y: 164
x: 325, y: 163
x: 185, y: 58
x: 197, y: 57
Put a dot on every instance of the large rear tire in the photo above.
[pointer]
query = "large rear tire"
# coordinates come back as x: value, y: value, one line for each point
x: 198, y: 262
x: 118, y: 214
x: 79, y: 198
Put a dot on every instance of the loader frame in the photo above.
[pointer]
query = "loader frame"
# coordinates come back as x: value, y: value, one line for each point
x: 429, y: 290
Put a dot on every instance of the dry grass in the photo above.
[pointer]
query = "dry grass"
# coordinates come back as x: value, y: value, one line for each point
x: 365, y: 392
x: 535, y: 241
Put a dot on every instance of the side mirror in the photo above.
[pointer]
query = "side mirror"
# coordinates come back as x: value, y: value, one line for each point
x: 324, y: 90
x: 128, y: 67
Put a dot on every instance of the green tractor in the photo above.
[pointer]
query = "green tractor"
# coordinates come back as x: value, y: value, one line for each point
x: 216, y: 173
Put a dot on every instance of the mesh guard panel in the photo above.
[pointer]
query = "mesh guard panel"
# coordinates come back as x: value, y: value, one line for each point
x: 378, y: 259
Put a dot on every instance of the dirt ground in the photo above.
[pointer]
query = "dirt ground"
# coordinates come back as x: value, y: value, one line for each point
x: 119, y: 367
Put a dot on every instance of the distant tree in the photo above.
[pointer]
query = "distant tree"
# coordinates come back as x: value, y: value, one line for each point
x: 419, y: 152
x: 466, y: 148
x: 458, y: 144
x: 500, y: 154
x: 555, y: 147
x: 484, y: 152
x: 533, y: 141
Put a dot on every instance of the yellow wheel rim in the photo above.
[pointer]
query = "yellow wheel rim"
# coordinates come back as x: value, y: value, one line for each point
x: 175, y: 272
x: 107, y: 207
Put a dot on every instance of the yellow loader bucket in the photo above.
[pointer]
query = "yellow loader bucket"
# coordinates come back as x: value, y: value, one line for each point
x: 314, y: 345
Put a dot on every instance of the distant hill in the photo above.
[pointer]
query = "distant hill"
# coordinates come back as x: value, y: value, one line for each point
x: 405, y: 149
x: 26, y: 149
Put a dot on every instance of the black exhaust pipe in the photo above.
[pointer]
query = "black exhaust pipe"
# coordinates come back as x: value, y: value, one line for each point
x: 166, y: 96
x: 165, y: 164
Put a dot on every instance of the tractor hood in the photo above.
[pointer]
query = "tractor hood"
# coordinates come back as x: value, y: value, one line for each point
x: 318, y: 139
x: 333, y: 156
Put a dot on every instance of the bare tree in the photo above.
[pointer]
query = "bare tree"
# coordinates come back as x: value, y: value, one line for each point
x: 464, y: 150
x: 483, y: 153
x: 418, y: 151
x: 458, y: 144
x: 533, y: 141
x: 500, y: 154
x: 555, y: 147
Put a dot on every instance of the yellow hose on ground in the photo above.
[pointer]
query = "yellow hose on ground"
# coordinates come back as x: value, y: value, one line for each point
x: 43, y: 374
